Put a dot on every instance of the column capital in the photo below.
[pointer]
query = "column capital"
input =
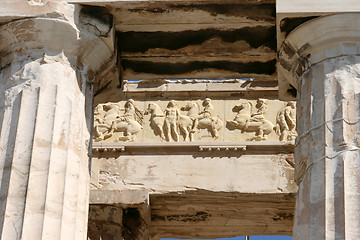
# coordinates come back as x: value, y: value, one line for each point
x: 83, y: 34
x: 316, y: 40
x: 33, y: 37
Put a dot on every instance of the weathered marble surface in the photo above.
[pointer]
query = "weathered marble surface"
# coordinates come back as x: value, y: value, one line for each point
x: 118, y: 215
x: 46, y: 78
x: 292, y: 7
x: 199, y: 120
x: 207, y: 215
x: 195, y: 39
x: 182, y: 172
x: 201, y: 194
x: 324, y: 65
x: 174, y: 167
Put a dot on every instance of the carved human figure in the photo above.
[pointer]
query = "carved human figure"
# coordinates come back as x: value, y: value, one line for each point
x: 205, y: 114
x: 258, y: 116
x: 112, y: 121
x: 252, y: 122
x: 286, y: 122
x: 157, y: 118
x: 130, y: 122
x: 172, y: 114
x: 131, y: 112
x: 99, y: 114
x: 200, y: 120
x: 104, y: 116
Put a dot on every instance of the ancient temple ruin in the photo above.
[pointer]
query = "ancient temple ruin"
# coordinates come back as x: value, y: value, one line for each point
x: 127, y: 119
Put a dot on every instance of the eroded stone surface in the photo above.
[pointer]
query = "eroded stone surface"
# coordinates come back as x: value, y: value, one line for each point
x: 172, y: 169
x: 198, y: 193
x: 205, y: 215
x: 222, y: 186
x: 325, y: 68
x: 45, y: 112
x: 200, y: 120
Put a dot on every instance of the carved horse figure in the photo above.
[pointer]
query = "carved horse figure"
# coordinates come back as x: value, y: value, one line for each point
x: 212, y: 124
x: 186, y: 122
x: 261, y: 128
x: 107, y: 120
x: 157, y: 118
x: 103, y: 119
x: 130, y: 128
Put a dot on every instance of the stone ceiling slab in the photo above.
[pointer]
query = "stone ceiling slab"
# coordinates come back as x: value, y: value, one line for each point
x: 194, y: 39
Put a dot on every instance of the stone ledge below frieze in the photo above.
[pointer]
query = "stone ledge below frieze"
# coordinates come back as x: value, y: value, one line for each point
x: 222, y: 148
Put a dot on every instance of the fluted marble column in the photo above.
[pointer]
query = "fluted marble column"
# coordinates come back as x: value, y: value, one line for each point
x: 322, y: 58
x: 45, y: 124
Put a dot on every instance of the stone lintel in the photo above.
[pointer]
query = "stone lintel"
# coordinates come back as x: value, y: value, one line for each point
x: 169, y: 171
x: 210, y: 215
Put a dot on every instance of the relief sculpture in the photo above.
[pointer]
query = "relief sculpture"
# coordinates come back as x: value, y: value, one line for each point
x: 109, y: 120
x: 157, y: 118
x: 286, y: 122
x: 190, y: 121
x: 172, y: 118
x: 204, y: 119
x: 247, y: 121
x: 171, y: 123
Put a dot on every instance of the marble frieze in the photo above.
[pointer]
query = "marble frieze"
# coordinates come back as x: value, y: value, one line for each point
x: 195, y: 120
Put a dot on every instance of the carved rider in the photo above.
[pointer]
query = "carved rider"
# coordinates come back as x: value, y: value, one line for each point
x: 171, y: 116
x: 206, y: 113
x: 258, y: 116
x: 132, y: 113
x: 99, y: 114
x: 129, y: 114
x: 286, y: 122
x: 107, y: 115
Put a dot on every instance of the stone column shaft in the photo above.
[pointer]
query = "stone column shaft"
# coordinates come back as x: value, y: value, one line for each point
x: 330, y: 186
x: 45, y: 124
x: 43, y: 146
x: 322, y: 58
